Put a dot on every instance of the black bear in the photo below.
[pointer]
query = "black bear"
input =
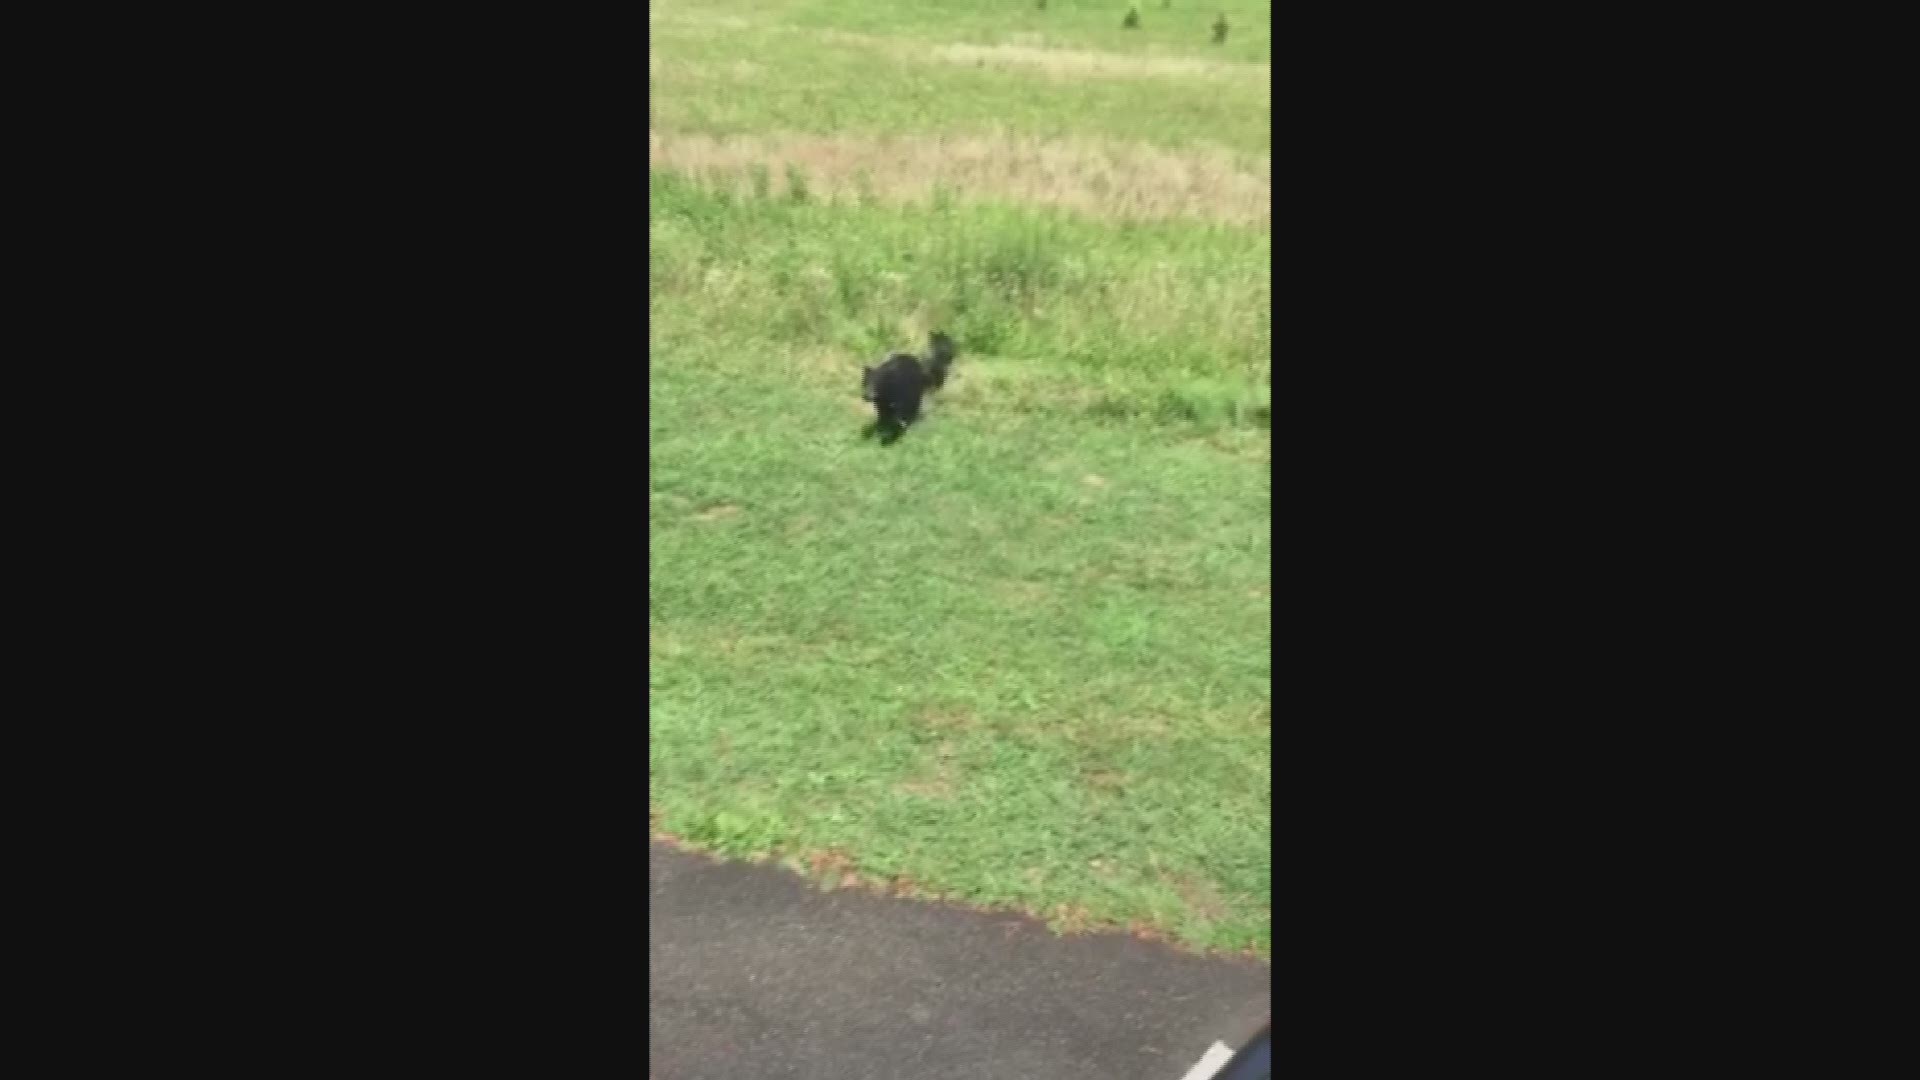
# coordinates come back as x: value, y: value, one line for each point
x: 896, y: 385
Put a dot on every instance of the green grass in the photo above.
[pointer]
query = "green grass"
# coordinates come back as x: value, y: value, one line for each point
x: 1181, y: 27
x: 1021, y: 657
x: 1168, y: 320
x: 865, y: 67
x: 1021, y: 663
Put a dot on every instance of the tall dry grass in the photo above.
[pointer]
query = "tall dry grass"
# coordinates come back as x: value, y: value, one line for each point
x: 1099, y: 177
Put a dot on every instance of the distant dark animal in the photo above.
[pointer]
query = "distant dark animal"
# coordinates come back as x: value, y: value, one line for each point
x: 896, y: 385
x: 1220, y: 29
x: 1132, y: 21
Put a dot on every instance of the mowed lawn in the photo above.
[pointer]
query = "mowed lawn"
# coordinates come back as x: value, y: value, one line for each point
x: 1021, y: 657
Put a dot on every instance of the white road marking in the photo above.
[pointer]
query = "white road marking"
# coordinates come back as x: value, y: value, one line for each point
x: 1211, y: 1062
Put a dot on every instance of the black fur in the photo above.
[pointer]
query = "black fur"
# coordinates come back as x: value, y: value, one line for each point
x: 896, y: 385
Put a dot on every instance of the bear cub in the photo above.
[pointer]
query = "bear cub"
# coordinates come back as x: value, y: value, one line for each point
x: 896, y: 385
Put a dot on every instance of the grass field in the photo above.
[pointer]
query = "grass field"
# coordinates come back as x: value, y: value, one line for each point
x: 1021, y: 656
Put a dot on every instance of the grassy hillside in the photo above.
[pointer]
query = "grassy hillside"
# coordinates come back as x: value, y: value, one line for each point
x: 1021, y: 656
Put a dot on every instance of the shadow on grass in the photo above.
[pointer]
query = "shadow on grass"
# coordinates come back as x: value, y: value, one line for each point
x: 888, y: 434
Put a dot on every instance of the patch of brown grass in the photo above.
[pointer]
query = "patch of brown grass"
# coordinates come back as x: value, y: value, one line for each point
x: 1019, y: 387
x: 1099, y: 177
x: 834, y: 869
x: 1023, y: 594
x: 936, y: 783
x: 1071, y: 919
x: 663, y: 644
x: 949, y: 720
x: 1089, y: 63
x: 933, y: 787
x: 831, y: 863
x: 1201, y: 897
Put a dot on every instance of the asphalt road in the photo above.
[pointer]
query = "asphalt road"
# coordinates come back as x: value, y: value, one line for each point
x: 757, y: 974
